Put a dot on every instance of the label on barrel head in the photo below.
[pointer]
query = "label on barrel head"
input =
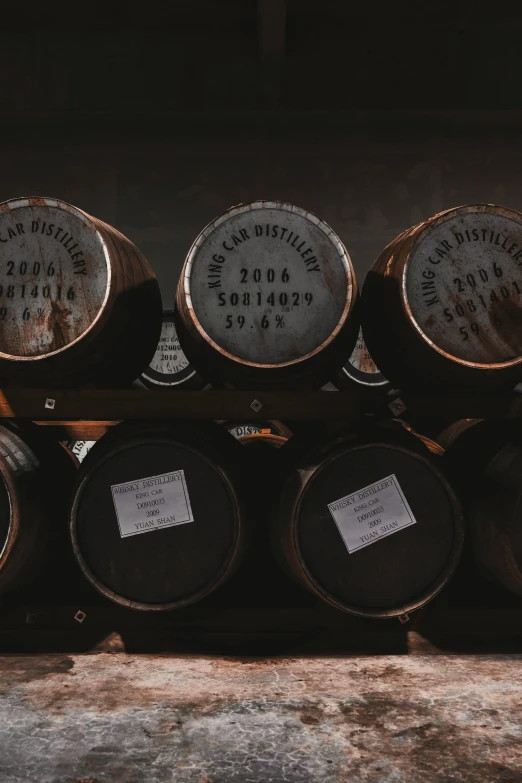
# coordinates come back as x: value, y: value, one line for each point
x: 243, y: 430
x: 361, y: 366
x: 169, y: 365
x: 269, y: 282
x: 464, y: 286
x: 374, y: 512
x: 80, y: 448
x: 53, y: 276
x: 152, y: 503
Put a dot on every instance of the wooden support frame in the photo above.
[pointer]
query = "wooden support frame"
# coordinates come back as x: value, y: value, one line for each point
x: 88, y: 413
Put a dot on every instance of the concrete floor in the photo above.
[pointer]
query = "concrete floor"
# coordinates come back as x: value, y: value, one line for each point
x: 116, y: 718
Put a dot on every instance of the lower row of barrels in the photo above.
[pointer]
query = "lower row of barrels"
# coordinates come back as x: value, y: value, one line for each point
x: 372, y: 520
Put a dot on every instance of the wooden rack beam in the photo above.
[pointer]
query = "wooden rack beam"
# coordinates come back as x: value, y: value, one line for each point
x: 102, y: 407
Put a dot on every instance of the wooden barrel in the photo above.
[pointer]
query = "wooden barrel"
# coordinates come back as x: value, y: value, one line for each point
x: 361, y: 374
x: 170, y: 368
x: 370, y: 525
x: 442, y: 306
x: 485, y: 462
x: 157, y: 522
x: 266, y: 299
x: 79, y: 304
x: 33, y: 508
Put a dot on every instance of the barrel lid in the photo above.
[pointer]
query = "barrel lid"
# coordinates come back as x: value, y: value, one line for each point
x: 462, y: 284
x: 268, y: 284
x: 169, y: 366
x: 154, y: 522
x: 377, y: 529
x: 55, y: 277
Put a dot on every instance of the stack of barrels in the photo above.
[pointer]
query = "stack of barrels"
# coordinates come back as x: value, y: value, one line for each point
x: 364, y: 517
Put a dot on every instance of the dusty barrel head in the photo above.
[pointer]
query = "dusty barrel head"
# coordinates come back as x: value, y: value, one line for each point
x: 169, y: 367
x: 360, y: 371
x: 449, y: 295
x: 156, y: 523
x: 54, y: 276
x: 485, y: 462
x: 66, y: 278
x: 372, y: 528
x: 267, y: 296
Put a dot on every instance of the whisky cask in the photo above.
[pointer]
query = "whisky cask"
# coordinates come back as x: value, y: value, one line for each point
x: 267, y: 299
x: 485, y: 462
x: 79, y: 304
x: 170, y: 368
x: 369, y: 523
x: 157, y: 520
x: 361, y: 374
x: 442, y: 306
x: 33, y: 513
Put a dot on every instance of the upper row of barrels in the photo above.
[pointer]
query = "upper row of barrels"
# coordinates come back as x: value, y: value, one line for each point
x: 267, y: 298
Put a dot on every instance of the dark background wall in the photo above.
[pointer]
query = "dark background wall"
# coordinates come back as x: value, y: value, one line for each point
x: 156, y: 117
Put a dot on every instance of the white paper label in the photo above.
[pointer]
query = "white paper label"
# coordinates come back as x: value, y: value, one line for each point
x: 152, y: 503
x: 371, y: 513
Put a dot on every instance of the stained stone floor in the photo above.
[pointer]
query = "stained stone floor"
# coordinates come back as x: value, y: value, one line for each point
x: 117, y: 718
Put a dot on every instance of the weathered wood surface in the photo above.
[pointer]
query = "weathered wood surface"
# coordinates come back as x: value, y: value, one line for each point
x: 252, y: 720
